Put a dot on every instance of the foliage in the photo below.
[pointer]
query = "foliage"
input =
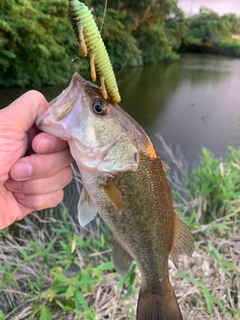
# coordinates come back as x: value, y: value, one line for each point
x: 208, y: 198
x: 176, y: 27
x: 208, y: 193
x: 53, y: 269
x: 115, y: 35
x: 215, y: 184
x: 63, y: 273
x: 36, y: 37
x: 34, y: 48
x: 228, y: 47
x: 207, y: 32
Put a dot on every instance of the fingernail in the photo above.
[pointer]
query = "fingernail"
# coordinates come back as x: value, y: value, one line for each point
x: 21, y: 170
x: 46, y: 144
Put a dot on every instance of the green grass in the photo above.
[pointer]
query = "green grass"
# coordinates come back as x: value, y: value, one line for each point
x: 59, y: 273
x: 209, y: 196
x: 214, y: 185
x: 54, y: 269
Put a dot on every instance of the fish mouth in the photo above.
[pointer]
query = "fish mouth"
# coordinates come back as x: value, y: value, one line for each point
x: 64, y: 102
x: 62, y: 105
x: 76, y: 85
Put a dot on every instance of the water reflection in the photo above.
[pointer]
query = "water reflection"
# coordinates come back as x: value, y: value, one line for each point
x: 192, y: 103
x: 145, y: 92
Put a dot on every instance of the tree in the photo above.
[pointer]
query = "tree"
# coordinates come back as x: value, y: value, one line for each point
x: 36, y: 37
x: 34, y: 42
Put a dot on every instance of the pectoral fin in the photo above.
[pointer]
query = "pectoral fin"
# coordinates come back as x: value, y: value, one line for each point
x: 86, y: 210
x: 121, y: 258
x: 182, y: 240
x: 114, y: 195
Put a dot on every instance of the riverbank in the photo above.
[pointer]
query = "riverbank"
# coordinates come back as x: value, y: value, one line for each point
x: 54, y: 269
x: 226, y: 47
x: 193, y: 102
x: 40, y: 55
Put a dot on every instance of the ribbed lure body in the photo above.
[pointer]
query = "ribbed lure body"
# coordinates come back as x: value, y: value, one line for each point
x: 92, y: 46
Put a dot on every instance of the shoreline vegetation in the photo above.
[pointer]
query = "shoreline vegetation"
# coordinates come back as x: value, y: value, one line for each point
x: 36, y: 38
x: 51, y: 268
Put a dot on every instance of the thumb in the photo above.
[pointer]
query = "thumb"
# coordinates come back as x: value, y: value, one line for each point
x: 24, y: 111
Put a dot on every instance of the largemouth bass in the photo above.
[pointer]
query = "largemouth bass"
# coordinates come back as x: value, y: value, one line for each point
x: 125, y: 181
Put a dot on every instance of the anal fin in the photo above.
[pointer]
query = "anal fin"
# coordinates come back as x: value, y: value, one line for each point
x: 86, y: 210
x: 121, y: 258
x: 182, y: 239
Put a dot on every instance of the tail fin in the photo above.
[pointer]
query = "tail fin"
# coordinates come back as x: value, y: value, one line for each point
x: 158, y: 307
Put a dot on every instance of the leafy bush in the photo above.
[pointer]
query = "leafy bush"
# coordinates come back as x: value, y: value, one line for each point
x: 228, y: 48
x: 214, y: 184
x: 36, y: 37
x: 207, y: 32
x: 35, y: 42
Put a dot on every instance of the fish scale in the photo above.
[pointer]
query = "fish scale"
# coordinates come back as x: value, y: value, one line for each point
x: 126, y: 183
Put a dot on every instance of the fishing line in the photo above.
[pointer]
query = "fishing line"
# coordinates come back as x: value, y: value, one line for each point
x: 76, y: 47
x: 104, y: 15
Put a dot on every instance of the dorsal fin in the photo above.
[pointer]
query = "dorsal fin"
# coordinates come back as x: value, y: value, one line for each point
x: 86, y: 210
x: 182, y: 239
x: 114, y: 195
x: 121, y: 258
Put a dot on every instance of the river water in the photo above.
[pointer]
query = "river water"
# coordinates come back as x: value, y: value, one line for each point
x: 193, y: 103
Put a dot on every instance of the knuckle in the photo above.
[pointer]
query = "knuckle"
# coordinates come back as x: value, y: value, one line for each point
x: 48, y: 200
x: 36, y: 94
x: 31, y: 187
x: 57, y: 197
x: 67, y: 175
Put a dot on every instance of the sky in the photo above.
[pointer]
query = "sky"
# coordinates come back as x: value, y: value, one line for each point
x: 219, y: 6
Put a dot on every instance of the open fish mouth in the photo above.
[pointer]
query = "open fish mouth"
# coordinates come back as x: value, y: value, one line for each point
x: 63, y: 104
x: 76, y: 85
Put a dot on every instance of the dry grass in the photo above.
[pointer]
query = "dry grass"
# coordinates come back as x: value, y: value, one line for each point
x: 220, y: 277
x: 205, y: 271
x: 207, y: 285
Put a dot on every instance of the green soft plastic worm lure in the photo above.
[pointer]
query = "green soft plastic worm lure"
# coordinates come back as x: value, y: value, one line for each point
x: 92, y: 47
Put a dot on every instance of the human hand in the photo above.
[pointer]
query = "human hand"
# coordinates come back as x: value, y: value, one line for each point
x: 34, y: 165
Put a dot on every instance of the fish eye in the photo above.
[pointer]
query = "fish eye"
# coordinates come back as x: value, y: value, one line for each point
x: 100, y: 108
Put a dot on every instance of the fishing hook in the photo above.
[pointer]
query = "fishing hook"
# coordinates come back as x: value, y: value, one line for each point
x: 76, y: 47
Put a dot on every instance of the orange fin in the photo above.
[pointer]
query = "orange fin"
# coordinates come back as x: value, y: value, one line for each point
x: 182, y: 239
x: 114, y: 195
x: 86, y: 210
x: 121, y: 258
x: 153, y: 306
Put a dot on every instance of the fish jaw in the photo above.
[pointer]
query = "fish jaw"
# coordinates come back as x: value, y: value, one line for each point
x: 52, y: 121
x: 99, y: 144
